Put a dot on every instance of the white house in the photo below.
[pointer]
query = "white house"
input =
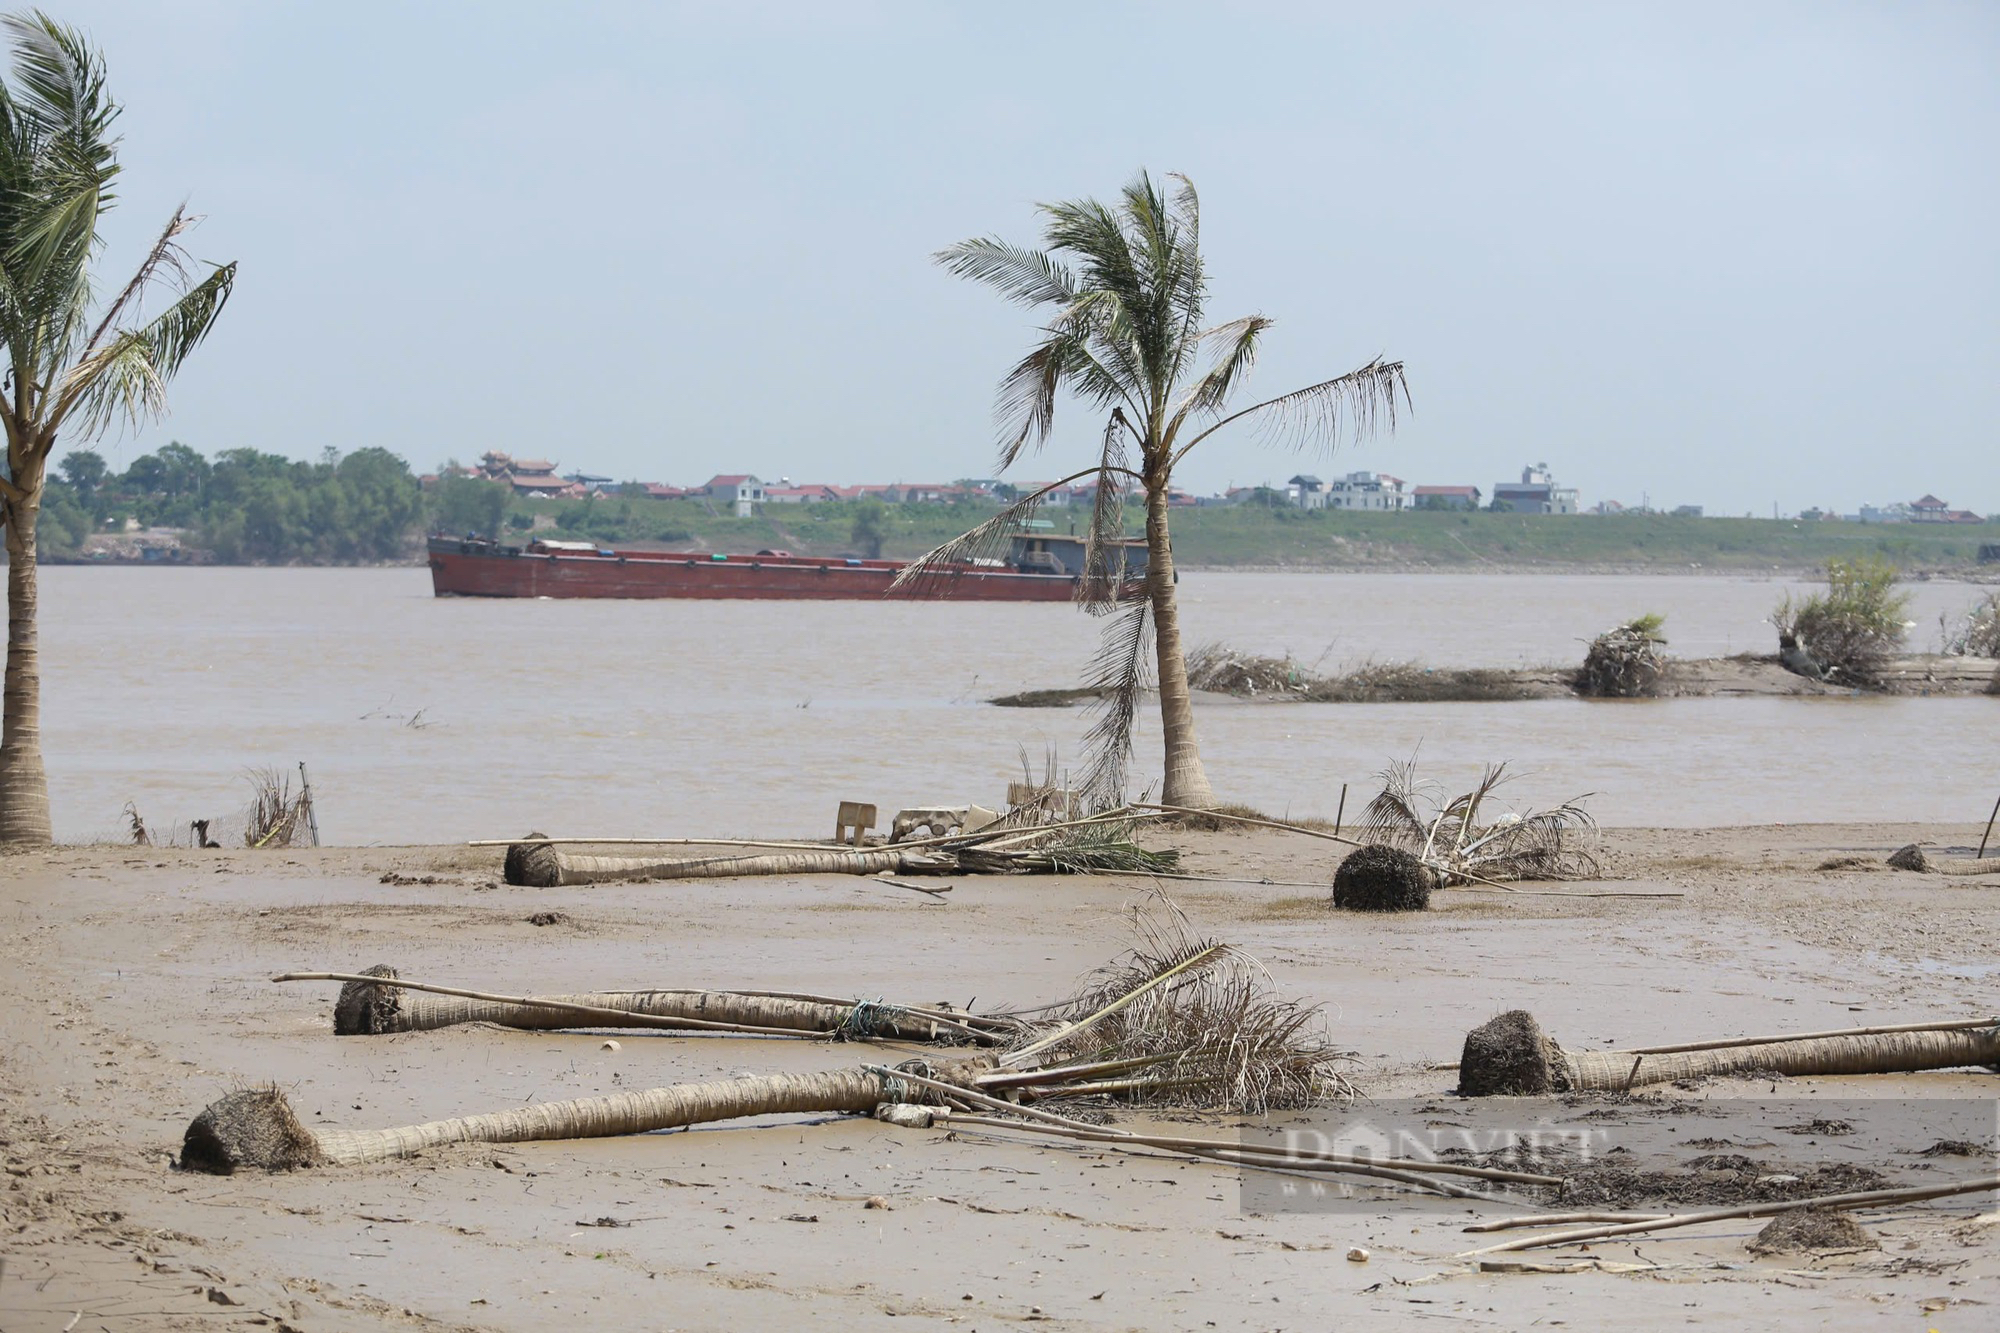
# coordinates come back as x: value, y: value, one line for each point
x: 740, y: 491
x: 1367, y: 490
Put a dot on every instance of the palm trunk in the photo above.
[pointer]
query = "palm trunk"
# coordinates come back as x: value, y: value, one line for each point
x: 1510, y: 1056
x: 1186, y: 780
x: 24, y: 786
x: 258, y: 1129
x: 1889, y: 1053
x: 538, y: 865
x: 383, y: 1007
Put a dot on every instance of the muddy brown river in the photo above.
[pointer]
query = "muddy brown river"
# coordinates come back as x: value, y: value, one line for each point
x: 429, y: 721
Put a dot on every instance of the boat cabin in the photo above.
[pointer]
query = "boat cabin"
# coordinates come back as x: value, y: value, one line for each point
x: 1047, y: 553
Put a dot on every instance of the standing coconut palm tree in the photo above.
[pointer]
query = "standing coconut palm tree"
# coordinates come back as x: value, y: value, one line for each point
x: 1126, y: 289
x: 67, y: 365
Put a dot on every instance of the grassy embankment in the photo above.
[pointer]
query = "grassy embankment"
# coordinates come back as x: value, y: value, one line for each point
x: 1246, y: 536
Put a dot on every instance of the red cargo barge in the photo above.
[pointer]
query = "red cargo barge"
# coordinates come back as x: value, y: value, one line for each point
x: 1039, y: 568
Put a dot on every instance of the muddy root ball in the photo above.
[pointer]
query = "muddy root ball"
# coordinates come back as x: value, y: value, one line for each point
x: 368, y: 1008
x: 1382, y: 879
x: 1510, y: 1056
x: 252, y: 1129
x: 1806, y: 1229
x: 1910, y: 858
x: 533, y: 865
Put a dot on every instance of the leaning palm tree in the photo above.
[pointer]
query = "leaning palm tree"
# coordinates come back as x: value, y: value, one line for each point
x: 1125, y: 289
x: 70, y: 368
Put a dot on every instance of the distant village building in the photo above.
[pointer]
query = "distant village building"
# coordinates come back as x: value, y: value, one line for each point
x: 1535, y: 493
x: 1445, y: 497
x: 1687, y: 511
x: 1930, y: 509
x: 1307, y: 491
x: 740, y: 491
x: 1367, y: 490
x: 800, y: 495
x: 1892, y: 513
x: 530, y: 478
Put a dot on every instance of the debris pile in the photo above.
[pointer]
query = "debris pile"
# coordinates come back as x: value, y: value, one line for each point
x: 1628, y: 662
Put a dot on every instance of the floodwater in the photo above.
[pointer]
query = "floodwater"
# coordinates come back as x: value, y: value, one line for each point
x: 425, y: 720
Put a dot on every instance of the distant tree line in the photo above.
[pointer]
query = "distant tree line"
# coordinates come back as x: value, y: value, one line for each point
x: 246, y: 506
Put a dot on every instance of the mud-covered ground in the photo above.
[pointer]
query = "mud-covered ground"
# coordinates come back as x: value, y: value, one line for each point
x: 133, y: 989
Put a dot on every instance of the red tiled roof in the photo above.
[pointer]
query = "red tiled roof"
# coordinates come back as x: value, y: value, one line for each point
x: 1929, y: 502
x: 729, y: 479
x: 532, y: 465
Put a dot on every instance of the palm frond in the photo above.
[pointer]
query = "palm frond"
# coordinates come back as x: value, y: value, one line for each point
x: 1193, y: 1020
x: 165, y: 256
x: 1025, y: 406
x: 128, y: 375
x: 1103, y: 576
x: 1119, y: 673
x: 1456, y: 838
x: 1351, y: 406
x: 1237, y: 342
x: 1028, y: 277
x: 934, y: 571
x: 63, y: 116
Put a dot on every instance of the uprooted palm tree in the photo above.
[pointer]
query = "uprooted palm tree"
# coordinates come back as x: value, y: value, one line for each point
x: 1125, y: 290
x: 378, y: 1001
x: 1179, y: 1021
x: 69, y: 368
x: 1510, y: 1056
x: 1015, y: 844
x: 1458, y: 840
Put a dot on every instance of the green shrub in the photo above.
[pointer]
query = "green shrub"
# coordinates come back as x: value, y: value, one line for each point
x: 1847, y: 633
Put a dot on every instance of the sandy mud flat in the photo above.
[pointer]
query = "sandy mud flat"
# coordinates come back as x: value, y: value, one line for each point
x: 134, y: 990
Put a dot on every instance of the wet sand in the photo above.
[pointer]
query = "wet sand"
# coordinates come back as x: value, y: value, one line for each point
x: 135, y: 991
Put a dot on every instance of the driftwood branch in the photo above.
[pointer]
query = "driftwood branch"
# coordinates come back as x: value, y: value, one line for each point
x: 1860, y: 1199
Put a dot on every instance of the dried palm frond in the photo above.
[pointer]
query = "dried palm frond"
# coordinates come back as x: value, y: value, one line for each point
x: 1454, y: 837
x: 1120, y: 674
x: 1185, y: 1021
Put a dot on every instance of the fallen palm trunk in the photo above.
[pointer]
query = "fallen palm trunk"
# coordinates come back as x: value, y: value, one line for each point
x: 1510, y: 1056
x: 1862, y: 1199
x: 1979, y: 866
x: 377, y: 1001
x: 541, y: 866
x: 257, y: 1128
x: 1189, y: 1015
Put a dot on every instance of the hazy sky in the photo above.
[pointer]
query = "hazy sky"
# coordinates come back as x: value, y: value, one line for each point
x: 1718, y: 254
